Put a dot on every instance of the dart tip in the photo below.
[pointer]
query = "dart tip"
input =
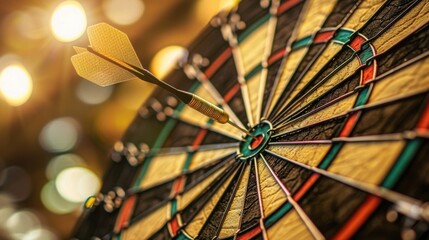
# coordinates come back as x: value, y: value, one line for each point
x: 240, y: 128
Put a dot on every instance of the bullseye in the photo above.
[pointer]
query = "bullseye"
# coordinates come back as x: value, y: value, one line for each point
x: 255, y: 143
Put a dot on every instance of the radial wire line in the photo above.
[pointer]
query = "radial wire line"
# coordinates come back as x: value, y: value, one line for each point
x: 373, y: 138
x: 208, y: 127
x: 288, y: 47
x: 408, y: 63
x: 408, y: 206
x: 238, y: 60
x: 238, y: 175
x: 242, y: 129
x: 228, y: 161
x: 357, y: 52
x: 202, y: 78
x: 316, y: 56
x: 269, y: 41
x: 215, y: 186
x: 352, y: 110
x: 245, y: 191
x: 283, y: 114
x: 279, y: 134
x: 230, y: 200
x: 185, y: 149
x: 308, y: 223
x: 258, y: 187
x: 135, y: 191
x: 294, y: 118
x: 277, y: 105
x: 296, y: 100
x: 261, y: 207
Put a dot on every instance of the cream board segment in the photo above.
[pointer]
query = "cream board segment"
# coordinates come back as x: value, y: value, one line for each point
x: 201, y: 158
x: 272, y: 195
x: 315, y: 14
x: 289, y: 227
x: 253, y: 85
x: 231, y: 223
x: 292, y: 62
x: 140, y: 230
x: 162, y: 168
x: 330, y: 83
x: 185, y: 198
x: 363, y: 13
x: 194, y: 227
x: 412, y: 21
x: 413, y: 78
x: 331, y: 50
x: 366, y: 162
x: 359, y: 17
x: 338, y: 108
x: 308, y: 154
x: 252, y: 48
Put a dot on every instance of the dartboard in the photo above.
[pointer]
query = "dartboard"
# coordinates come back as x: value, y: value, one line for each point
x: 335, y: 97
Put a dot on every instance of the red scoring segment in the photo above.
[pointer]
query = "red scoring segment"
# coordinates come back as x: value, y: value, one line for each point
x: 256, y: 141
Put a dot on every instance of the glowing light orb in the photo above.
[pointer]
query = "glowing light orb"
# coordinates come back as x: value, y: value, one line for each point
x: 77, y: 184
x: 165, y: 59
x: 91, y: 93
x: 15, y: 84
x: 22, y: 221
x: 123, y: 14
x: 39, y: 234
x: 228, y: 4
x: 61, y: 162
x: 68, y: 22
x: 59, y: 135
x: 54, y: 202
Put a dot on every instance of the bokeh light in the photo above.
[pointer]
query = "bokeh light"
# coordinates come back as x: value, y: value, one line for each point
x: 15, y: 84
x: 30, y: 23
x: 61, y: 162
x: 77, y: 184
x: 21, y: 222
x: 54, y: 202
x: 59, y: 135
x: 165, y: 60
x: 5, y: 213
x: 228, y: 4
x: 39, y: 234
x: 31, y: 31
x: 68, y: 22
x: 25, y: 30
x: 205, y: 10
x: 123, y: 13
x: 91, y: 93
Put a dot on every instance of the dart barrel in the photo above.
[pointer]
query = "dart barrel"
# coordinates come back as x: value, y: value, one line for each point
x: 208, y: 109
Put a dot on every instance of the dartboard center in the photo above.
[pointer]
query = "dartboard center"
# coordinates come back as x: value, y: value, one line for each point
x: 251, y: 146
x: 256, y: 141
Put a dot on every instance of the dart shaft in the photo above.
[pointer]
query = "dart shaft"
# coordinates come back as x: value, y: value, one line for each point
x: 201, y: 105
x: 209, y: 109
x: 212, y: 111
x: 240, y: 128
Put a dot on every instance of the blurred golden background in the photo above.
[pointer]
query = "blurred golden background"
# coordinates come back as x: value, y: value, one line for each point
x: 56, y: 129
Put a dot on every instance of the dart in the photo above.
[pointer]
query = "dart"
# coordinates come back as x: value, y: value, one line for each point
x: 111, y: 59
